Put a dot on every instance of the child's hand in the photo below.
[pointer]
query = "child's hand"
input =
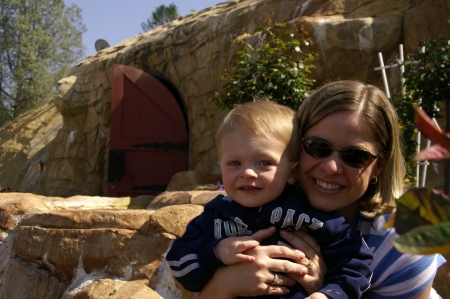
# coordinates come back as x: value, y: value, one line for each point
x: 230, y: 250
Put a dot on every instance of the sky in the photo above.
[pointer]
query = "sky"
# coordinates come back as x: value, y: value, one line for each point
x: 118, y: 20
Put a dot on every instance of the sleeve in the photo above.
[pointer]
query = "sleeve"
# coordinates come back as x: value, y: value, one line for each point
x: 348, y: 259
x: 192, y: 257
x: 398, y: 275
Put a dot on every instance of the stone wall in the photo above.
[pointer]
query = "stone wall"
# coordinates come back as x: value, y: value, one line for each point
x: 92, y: 247
x: 96, y: 247
x: 193, y: 52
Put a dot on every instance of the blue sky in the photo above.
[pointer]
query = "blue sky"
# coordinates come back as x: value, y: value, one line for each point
x: 118, y: 20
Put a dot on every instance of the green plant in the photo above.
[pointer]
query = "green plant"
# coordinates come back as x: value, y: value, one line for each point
x: 408, y: 131
x: 422, y: 218
x: 275, y: 68
x: 427, y: 74
x: 427, y: 77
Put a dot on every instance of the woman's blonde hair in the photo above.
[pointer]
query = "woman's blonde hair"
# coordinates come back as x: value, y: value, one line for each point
x: 380, y: 115
x: 267, y: 119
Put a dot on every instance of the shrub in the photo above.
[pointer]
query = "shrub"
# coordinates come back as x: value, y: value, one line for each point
x: 275, y: 68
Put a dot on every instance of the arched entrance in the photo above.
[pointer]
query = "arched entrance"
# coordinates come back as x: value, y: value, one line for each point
x: 148, y: 136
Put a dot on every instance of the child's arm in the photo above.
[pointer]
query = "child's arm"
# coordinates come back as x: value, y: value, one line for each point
x: 192, y: 257
x: 231, y: 250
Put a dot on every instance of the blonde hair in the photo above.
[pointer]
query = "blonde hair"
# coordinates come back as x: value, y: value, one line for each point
x: 378, y: 112
x: 267, y: 119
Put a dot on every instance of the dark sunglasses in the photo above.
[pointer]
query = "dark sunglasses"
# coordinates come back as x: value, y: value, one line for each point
x: 353, y: 157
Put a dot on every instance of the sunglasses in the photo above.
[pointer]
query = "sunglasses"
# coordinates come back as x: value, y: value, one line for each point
x: 353, y: 157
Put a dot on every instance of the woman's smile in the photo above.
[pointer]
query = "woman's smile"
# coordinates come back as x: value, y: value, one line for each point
x: 327, y: 186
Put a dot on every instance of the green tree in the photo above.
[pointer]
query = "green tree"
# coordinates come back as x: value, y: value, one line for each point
x: 274, y: 67
x: 427, y: 83
x: 40, y: 41
x: 161, y: 15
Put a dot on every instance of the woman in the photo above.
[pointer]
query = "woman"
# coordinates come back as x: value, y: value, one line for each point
x: 350, y: 163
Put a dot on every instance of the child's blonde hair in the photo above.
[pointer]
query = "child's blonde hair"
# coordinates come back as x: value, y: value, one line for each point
x: 267, y: 119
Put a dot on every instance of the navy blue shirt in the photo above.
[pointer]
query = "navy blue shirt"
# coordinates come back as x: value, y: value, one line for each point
x: 193, y: 260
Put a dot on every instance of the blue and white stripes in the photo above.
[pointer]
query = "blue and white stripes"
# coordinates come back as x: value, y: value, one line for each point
x: 396, y: 275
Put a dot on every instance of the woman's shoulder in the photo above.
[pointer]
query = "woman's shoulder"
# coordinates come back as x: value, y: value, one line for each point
x: 374, y: 227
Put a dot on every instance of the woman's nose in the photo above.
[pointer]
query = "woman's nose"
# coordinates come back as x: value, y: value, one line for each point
x: 332, y: 164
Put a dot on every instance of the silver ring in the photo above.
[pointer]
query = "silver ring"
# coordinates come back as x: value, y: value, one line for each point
x: 276, y: 280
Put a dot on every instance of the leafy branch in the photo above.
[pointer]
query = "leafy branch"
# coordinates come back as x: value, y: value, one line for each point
x: 270, y: 64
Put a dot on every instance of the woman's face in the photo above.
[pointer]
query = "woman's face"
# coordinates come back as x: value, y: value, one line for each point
x: 329, y: 183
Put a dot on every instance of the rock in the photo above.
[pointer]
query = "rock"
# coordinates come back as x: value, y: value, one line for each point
x: 14, y: 205
x: 183, y: 197
x: 91, y: 219
x: 110, y: 288
x: 188, y: 180
x: 172, y: 219
x: 34, y: 282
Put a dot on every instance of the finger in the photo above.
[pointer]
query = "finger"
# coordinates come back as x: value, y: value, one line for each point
x: 286, y: 266
x: 264, y: 234
x: 275, y: 290
x: 245, y: 258
x: 246, y: 244
x: 283, y: 280
x: 296, y: 241
x: 275, y: 251
x: 285, y: 244
x: 308, y: 239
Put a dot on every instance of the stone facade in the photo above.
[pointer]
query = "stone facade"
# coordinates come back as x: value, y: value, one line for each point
x: 96, y: 247
x: 192, y: 53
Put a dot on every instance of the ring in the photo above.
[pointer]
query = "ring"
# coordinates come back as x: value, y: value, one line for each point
x: 276, y: 280
x: 310, y: 264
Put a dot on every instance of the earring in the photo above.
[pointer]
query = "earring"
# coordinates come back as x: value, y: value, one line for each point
x: 374, y: 181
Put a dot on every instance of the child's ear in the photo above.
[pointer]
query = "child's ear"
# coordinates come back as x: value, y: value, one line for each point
x: 294, y: 174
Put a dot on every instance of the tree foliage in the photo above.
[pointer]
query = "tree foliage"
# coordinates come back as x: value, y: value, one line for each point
x: 273, y: 67
x: 40, y: 41
x: 427, y: 74
x: 161, y: 15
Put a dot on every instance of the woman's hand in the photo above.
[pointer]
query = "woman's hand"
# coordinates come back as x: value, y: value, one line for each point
x: 258, y: 277
x: 314, y: 261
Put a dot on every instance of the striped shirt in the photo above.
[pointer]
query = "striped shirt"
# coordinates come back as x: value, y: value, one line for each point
x: 396, y: 275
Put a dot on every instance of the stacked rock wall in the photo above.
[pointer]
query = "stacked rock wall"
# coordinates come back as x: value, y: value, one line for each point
x: 92, y: 247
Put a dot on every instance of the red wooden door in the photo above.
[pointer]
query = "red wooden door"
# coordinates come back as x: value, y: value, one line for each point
x: 148, y: 135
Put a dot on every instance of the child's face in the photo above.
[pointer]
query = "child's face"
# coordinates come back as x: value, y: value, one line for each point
x: 255, y: 169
